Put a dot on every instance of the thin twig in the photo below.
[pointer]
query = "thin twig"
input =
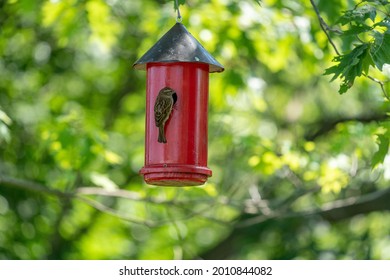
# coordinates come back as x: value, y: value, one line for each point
x: 103, y: 208
x: 120, y: 193
x: 284, y: 209
x: 382, y: 85
x: 324, y: 27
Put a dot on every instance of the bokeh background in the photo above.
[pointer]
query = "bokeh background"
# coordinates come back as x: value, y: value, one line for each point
x: 299, y: 171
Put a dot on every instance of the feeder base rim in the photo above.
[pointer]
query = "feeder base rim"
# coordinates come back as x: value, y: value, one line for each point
x: 175, y: 168
x: 177, y: 175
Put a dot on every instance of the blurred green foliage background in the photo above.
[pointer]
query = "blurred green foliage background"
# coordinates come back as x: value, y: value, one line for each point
x: 299, y: 172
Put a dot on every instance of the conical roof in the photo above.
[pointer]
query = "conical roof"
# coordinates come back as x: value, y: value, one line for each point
x: 178, y: 45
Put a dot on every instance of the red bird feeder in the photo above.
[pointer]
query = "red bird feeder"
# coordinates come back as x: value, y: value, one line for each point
x: 178, y: 70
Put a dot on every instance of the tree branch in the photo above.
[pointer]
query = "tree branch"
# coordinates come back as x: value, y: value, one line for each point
x: 252, y: 226
x: 82, y: 192
x: 334, y: 211
x: 339, y: 210
x: 41, y: 189
x: 108, y: 210
x: 31, y: 186
x: 120, y: 193
x: 344, y: 209
x: 327, y: 125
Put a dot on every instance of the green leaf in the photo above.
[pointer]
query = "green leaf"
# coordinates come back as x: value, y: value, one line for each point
x: 379, y: 156
x: 384, y: 23
x: 350, y: 66
x: 358, y: 15
x: 380, y: 50
x: 367, y: 62
x: 378, y: 2
x: 331, y: 8
x: 102, y: 180
x: 4, y: 118
x: 4, y: 133
x: 180, y: 2
x: 5, y: 122
x: 357, y: 29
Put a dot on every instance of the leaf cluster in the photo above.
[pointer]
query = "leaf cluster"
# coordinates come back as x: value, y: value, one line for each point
x: 368, y: 24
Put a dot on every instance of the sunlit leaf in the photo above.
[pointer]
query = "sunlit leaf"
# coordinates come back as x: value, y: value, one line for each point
x: 357, y: 29
x: 380, y: 50
x: 105, y: 29
x: 379, y: 156
x: 350, y: 66
x: 5, y: 118
x: 332, y: 179
x: 103, y: 181
x: 358, y: 15
x: 380, y: 2
x: 112, y: 157
x: 4, y: 133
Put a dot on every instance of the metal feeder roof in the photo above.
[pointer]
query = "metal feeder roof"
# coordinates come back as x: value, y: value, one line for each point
x: 178, y: 45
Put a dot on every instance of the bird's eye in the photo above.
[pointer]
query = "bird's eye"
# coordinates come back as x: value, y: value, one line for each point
x: 174, y: 96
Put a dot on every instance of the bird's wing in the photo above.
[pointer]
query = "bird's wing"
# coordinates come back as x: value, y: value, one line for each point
x: 162, y: 109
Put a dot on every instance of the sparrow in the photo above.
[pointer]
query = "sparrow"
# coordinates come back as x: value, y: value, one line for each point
x: 165, y: 100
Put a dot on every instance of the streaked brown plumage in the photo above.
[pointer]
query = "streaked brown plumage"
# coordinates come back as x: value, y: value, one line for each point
x: 162, y: 110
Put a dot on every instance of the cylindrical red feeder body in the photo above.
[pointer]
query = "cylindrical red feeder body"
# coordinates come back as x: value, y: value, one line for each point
x: 182, y: 161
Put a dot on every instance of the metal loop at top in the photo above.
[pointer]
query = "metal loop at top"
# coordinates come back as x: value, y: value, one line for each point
x: 178, y: 18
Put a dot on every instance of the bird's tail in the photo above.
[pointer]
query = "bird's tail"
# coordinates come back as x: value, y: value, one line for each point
x: 161, y: 135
